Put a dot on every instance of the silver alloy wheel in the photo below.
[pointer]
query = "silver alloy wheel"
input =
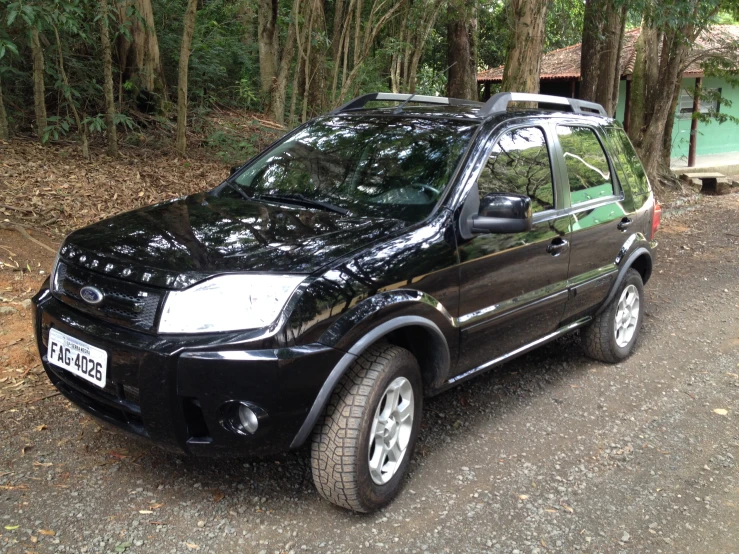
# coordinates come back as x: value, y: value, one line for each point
x: 391, y: 430
x: 627, y: 316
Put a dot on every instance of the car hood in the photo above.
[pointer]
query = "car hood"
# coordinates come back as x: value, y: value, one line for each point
x: 180, y: 242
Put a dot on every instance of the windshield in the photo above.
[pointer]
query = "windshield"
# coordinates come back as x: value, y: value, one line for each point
x: 373, y: 166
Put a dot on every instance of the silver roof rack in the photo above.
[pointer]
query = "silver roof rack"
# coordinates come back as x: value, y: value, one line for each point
x: 361, y: 101
x: 499, y: 103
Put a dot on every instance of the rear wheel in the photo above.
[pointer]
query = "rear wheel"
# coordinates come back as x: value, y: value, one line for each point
x: 612, y: 334
x: 362, y: 449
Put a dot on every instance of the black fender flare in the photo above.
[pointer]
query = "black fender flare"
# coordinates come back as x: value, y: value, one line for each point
x: 625, y: 266
x: 367, y: 340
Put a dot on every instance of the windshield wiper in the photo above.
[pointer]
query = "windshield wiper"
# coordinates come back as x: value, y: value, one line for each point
x: 297, y: 198
x: 237, y: 188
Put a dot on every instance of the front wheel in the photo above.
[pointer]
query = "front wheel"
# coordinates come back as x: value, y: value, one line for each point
x: 362, y: 449
x: 612, y: 335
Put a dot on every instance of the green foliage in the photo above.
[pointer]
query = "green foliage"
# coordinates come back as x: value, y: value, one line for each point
x: 230, y: 147
x: 58, y: 127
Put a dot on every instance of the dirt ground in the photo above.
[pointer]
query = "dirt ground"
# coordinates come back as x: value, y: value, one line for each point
x: 552, y: 453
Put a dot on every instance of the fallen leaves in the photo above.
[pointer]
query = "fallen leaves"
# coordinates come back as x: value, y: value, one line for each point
x: 11, y: 527
x: 192, y: 546
x: 218, y: 496
x: 721, y: 411
x: 47, y: 532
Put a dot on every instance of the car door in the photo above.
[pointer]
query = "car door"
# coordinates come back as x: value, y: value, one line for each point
x: 600, y: 216
x: 513, y: 286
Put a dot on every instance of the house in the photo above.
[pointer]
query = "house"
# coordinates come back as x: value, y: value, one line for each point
x: 560, y: 75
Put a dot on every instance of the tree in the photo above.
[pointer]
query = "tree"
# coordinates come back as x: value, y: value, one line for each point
x: 267, y: 39
x: 39, y: 89
x: 602, y: 42
x: 413, y: 29
x: 462, y: 49
x: 527, y: 18
x: 187, y: 32
x: 138, y: 49
x: 67, y: 91
x: 669, y: 30
x: 110, y: 130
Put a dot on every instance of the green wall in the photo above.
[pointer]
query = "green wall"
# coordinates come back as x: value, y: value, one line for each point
x: 712, y: 137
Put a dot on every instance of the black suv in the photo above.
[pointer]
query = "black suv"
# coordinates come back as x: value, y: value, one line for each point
x: 388, y: 250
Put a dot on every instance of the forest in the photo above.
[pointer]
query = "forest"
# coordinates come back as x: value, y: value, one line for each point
x: 108, y: 71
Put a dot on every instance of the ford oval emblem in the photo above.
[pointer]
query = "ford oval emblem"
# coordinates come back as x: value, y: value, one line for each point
x: 91, y: 295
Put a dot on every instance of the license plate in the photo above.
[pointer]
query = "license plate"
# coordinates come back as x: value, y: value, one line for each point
x: 84, y: 360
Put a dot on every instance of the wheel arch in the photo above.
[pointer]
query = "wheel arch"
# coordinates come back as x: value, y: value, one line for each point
x: 421, y: 336
x: 641, y: 260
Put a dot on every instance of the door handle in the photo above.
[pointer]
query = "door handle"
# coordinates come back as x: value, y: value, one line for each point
x: 624, y: 223
x: 556, y: 247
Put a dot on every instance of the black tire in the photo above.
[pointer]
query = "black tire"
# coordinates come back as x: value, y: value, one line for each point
x: 599, y: 338
x: 341, y: 443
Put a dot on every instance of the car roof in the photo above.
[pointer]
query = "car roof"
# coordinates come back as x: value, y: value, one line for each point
x: 497, y: 107
x: 469, y: 113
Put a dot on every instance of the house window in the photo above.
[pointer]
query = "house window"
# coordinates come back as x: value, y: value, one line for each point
x: 685, y: 109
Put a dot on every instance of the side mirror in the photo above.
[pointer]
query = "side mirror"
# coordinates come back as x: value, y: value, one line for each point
x: 502, y: 213
x: 234, y: 169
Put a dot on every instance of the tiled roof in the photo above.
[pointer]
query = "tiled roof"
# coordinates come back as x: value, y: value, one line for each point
x: 564, y: 64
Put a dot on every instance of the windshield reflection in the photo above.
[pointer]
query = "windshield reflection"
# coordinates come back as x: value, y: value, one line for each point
x: 371, y: 165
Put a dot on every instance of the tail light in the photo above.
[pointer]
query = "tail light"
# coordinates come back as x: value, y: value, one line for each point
x: 656, y: 218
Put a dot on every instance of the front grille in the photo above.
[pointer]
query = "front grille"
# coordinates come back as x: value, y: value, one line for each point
x: 125, y: 304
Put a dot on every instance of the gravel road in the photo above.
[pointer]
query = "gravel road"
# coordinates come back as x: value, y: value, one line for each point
x: 552, y: 453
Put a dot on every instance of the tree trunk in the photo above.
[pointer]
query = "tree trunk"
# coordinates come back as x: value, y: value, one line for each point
x: 590, y: 48
x: 267, y: 38
x: 523, y: 62
x: 316, y: 85
x: 419, y: 47
x: 39, y: 90
x: 81, y: 127
x: 652, y: 143
x: 279, y: 91
x: 4, y: 132
x: 669, y: 124
x: 461, y: 51
x: 644, y: 82
x: 617, y: 66
x: 600, y: 58
x: 139, y: 57
x: 110, y: 130
x: 187, y: 32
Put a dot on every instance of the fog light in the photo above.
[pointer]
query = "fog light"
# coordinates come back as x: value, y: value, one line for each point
x: 248, y: 419
x: 242, y: 417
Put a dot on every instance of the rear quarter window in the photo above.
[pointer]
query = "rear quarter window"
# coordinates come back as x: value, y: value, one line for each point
x: 629, y: 168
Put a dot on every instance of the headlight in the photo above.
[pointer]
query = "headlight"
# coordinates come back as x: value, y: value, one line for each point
x: 228, y: 303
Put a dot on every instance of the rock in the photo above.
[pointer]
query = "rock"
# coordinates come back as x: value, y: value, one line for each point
x: 626, y: 537
x: 7, y: 310
x: 27, y: 304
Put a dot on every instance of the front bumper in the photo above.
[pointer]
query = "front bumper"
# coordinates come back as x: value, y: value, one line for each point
x: 170, y: 390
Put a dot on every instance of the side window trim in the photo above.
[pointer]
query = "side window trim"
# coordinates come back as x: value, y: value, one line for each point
x: 619, y: 193
x: 543, y: 126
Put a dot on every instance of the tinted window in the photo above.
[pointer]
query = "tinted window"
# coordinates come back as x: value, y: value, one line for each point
x: 519, y: 163
x: 631, y: 167
x: 382, y: 166
x: 587, y: 165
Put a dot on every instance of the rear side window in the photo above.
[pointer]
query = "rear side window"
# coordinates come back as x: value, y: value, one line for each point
x: 587, y: 166
x: 630, y: 173
x: 519, y: 163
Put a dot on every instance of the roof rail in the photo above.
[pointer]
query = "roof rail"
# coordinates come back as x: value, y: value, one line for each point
x: 361, y: 101
x: 499, y: 103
